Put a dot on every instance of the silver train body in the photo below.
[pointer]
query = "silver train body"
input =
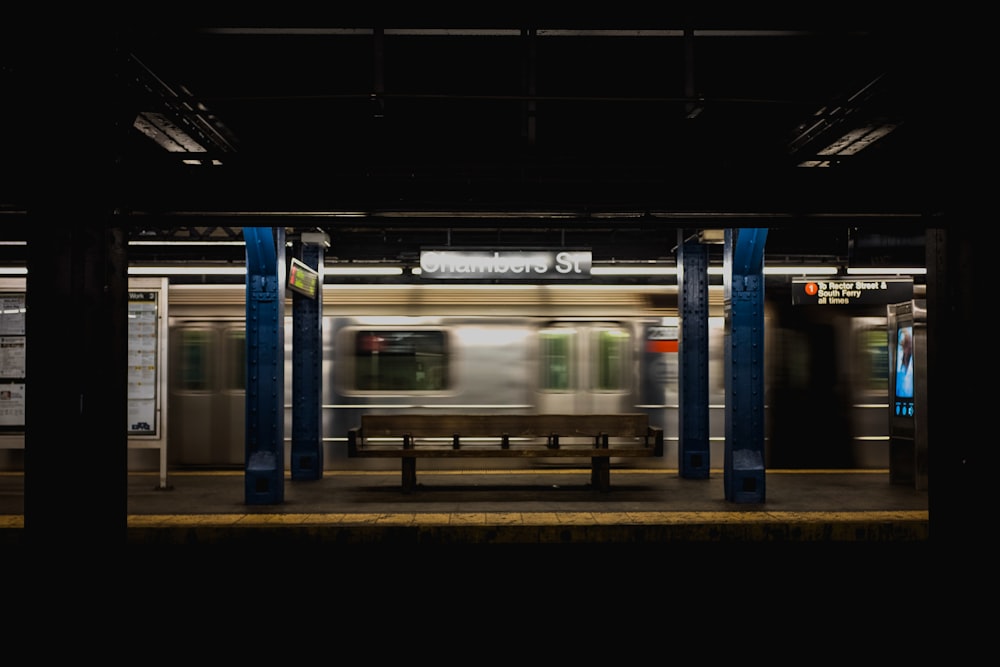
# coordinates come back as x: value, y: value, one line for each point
x: 524, y: 349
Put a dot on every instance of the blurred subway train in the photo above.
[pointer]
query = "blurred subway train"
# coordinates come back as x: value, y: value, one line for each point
x: 531, y: 348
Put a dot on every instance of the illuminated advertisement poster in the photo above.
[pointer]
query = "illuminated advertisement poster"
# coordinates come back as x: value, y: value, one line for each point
x: 142, y: 347
x: 903, y: 406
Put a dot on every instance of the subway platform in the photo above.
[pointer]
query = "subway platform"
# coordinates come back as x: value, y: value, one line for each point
x: 644, y: 507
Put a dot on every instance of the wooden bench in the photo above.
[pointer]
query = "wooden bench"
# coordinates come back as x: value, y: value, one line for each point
x: 599, y: 437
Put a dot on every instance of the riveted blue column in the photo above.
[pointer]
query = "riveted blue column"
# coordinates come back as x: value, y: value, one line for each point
x: 265, y: 409
x: 307, y: 367
x: 744, y: 365
x: 693, y: 452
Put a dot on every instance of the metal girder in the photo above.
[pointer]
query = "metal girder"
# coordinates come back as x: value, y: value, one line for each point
x: 692, y: 300
x: 307, y: 367
x: 265, y: 460
x: 744, y: 365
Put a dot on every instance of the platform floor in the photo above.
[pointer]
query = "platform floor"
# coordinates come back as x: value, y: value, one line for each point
x: 526, y: 507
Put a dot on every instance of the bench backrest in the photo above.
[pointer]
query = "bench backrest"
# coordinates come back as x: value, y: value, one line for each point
x: 427, y: 425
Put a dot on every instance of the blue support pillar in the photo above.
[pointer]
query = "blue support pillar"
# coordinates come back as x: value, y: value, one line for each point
x: 744, y: 360
x: 265, y: 399
x: 307, y: 367
x: 694, y: 457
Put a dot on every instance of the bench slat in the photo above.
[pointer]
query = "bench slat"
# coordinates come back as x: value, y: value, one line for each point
x: 426, y: 453
x: 429, y: 425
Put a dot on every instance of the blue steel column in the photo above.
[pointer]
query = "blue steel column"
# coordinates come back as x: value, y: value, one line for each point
x: 265, y: 409
x: 744, y: 359
x: 307, y: 367
x: 693, y: 452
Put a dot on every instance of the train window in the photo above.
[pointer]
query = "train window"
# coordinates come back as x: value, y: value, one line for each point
x: 874, y: 358
x: 195, y: 357
x: 236, y: 349
x: 556, y: 354
x: 611, y: 351
x: 400, y: 360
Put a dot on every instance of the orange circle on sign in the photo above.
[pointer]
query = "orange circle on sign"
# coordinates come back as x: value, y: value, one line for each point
x: 811, y: 289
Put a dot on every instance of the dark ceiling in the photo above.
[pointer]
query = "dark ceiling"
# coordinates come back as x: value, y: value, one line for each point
x: 601, y: 130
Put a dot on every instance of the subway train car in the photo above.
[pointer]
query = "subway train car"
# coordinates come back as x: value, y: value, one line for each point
x: 419, y: 348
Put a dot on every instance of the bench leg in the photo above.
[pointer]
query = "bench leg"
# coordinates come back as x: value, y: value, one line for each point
x: 600, y: 473
x: 409, y: 474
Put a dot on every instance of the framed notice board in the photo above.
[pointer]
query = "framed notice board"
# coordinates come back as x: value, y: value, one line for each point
x: 143, y: 361
x: 147, y: 364
x: 12, y: 360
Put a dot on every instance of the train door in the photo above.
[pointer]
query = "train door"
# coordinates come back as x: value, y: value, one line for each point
x: 868, y: 380
x: 207, y: 394
x: 585, y: 367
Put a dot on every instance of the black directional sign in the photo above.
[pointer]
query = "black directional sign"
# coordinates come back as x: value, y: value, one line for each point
x: 851, y: 291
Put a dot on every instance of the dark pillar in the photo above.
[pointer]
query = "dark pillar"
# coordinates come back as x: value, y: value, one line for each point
x: 76, y: 458
x: 307, y: 367
x: 693, y: 450
x: 960, y: 285
x: 744, y: 365
x: 265, y: 401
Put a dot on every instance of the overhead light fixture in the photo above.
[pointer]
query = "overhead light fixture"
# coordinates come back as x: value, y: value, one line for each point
x: 887, y: 271
x: 633, y: 270
x: 241, y: 270
x: 485, y: 215
x: 179, y: 123
x: 187, y: 270
x: 851, y: 142
x: 857, y: 140
x: 170, y: 136
x: 169, y: 243
x: 801, y: 270
x: 362, y: 271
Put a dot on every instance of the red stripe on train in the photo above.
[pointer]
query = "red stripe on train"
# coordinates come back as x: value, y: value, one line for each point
x: 661, y: 346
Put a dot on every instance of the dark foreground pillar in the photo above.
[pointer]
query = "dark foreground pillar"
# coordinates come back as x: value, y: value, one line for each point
x: 76, y: 459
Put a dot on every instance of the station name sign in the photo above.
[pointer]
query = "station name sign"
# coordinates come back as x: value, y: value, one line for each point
x: 853, y: 292
x: 525, y: 264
